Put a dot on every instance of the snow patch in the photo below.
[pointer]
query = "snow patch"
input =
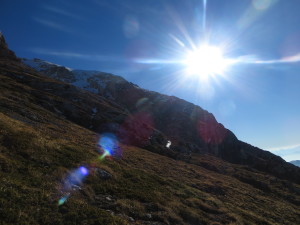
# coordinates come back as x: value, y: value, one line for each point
x: 41, y: 65
x: 168, y: 144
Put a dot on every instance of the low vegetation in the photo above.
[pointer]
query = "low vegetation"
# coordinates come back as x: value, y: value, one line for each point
x: 145, y: 187
x: 39, y: 148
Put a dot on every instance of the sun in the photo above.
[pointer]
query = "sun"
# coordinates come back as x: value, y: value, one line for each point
x: 206, y: 61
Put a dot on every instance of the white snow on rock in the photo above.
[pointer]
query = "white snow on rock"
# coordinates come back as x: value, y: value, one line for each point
x: 89, y: 80
x: 41, y: 65
x: 168, y: 144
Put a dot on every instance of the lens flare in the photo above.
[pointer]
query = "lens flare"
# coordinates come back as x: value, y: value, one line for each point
x: 108, y: 145
x: 101, y: 157
x: 204, y: 15
x: 63, y: 199
x: 84, y: 171
x: 131, y: 26
x: 262, y: 4
x: 206, y: 61
x: 72, y: 183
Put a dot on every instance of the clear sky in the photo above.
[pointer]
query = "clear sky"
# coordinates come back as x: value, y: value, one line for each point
x: 141, y: 40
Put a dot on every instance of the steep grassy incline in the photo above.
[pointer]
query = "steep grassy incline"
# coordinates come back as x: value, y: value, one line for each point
x: 40, y: 147
x: 145, y: 188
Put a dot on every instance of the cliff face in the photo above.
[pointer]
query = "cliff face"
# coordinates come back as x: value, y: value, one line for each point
x: 185, y: 124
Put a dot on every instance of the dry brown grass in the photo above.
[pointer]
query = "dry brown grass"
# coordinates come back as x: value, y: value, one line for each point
x: 38, y: 148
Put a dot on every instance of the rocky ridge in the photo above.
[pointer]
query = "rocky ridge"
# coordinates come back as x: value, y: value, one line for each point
x: 296, y: 162
x: 5, y: 52
x: 188, y: 127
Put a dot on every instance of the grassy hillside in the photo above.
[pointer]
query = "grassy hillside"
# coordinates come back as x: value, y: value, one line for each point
x: 145, y: 186
x: 39, y: 148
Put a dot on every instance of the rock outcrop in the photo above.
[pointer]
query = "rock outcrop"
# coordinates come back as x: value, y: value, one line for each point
x: 4, y: 51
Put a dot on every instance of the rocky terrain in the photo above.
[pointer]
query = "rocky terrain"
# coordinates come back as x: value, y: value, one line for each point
x: 176, y: 164
x: 5, y: 52
x: 190, y: 128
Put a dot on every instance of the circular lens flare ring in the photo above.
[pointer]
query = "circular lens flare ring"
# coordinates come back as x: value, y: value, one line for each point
x: 206, y: 61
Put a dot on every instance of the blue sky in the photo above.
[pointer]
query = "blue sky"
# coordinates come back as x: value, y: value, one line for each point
x: 138, y: 39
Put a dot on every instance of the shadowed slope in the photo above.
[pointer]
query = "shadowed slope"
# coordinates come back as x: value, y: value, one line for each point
x: 190, y: 128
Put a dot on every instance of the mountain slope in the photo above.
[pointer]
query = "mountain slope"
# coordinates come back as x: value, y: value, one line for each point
x: 296, y: 162
x: 46, y: 133
x: 189, y: 128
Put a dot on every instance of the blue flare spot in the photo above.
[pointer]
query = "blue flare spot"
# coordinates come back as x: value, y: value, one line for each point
x: 75, y: 178
x: 108, y: 142
x: 84, y: 171
x: 72, y: 183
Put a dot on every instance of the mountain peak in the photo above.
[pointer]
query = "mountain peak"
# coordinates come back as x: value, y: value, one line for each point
x: 3, y: 44
x: 4, y: 51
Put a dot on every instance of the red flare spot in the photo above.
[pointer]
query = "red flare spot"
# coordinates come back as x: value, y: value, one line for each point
x: 211, y: 131
x: 137, y: 129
